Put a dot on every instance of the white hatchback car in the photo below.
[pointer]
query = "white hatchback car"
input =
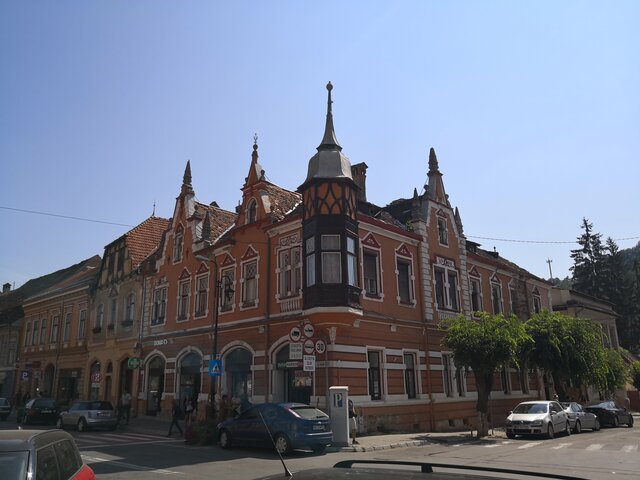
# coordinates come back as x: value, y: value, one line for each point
x: 538, y: 417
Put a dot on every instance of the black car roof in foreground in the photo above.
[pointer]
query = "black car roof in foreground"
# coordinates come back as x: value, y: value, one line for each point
x: 20, y: 440
x: 382, y: 469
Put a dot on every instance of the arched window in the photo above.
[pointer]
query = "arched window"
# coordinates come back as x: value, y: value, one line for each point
x: 238, y: 373
x: 190, y: 382
x: 252, y: 211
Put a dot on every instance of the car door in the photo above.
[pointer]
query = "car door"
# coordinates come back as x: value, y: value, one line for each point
x: 246, y: 427
x: 558, y: 417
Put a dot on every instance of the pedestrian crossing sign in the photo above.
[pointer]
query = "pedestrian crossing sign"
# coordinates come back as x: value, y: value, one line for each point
x: 215, y: 368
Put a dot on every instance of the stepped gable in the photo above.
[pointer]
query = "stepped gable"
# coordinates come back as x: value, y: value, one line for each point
x: 145, y: 238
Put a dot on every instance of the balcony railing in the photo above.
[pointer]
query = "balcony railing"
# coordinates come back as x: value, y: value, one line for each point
x: 291, y: 305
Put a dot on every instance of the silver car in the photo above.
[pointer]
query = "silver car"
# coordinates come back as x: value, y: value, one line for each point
x: 579, y: 418
x: 87, y: 414
x: 539, y: 417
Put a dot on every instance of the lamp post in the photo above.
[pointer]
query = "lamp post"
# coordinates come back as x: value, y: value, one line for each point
x: 228, y: 291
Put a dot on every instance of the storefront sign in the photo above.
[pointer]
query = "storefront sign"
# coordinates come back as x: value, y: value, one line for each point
x: 133, y: 363
x: 445, y: 262
x: 160, y: 343
x: 295, y: 351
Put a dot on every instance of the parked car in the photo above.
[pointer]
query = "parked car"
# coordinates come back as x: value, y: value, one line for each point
x: 609, y: 414
x: 5, y: 408
x: 402, y: 470
x: 538, y: 417
x: 38, y: 410
x: 292, y: 425
x: 36, y: 454
x: 579, y: 418
x: 86, y: 414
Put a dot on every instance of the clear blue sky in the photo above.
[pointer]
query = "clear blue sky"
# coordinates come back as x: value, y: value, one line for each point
x: 533, y: 109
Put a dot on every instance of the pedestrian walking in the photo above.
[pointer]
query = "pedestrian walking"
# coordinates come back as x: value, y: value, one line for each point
x: 223, y: 408
x: 175, y: 416
x: 188, y: 412
x: 353, y: 423
x: 125, y: 406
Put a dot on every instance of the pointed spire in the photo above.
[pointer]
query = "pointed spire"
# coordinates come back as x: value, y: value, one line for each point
x: 458, y: 220
x: 433, y: 161
x: 186, y: 179
x: 206, y: 228
x: 329, y: 141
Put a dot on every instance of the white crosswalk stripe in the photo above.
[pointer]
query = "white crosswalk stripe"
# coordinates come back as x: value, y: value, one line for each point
x: 594, y: 447
x: 630, y: 448
x: 562, y: 445
x: 529, y: 445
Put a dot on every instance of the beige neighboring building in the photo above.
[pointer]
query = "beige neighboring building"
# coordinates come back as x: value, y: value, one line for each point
x: 576, y: 304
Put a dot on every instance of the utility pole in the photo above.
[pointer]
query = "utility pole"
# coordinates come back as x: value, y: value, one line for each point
x: 550, y: 273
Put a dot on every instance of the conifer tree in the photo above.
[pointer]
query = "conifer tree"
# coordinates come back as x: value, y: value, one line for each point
x: 589, y: 262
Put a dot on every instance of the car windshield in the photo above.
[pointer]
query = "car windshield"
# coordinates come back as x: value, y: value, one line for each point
x: 310, y: 413
x: 531, y: 408
x: 100, y: 406
x: 46, y: 403
x: 14, y: 464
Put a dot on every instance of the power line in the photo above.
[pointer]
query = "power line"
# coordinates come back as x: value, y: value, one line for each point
x: 66, y: 216
x: 511, y: 240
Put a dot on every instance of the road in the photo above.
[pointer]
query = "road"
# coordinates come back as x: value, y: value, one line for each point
x: 605, y: 455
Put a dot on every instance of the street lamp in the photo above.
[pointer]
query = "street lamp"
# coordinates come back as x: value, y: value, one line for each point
x: 228, y: 292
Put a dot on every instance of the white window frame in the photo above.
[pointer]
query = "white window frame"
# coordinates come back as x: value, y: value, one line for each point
x: 401, y: 259
x: 446, y: 288
x: 289, y: 272
x: 130, y: 307
x: 498, y: 284
x: 443, y: 233
x: 228, y: 279
x: 376, y: 255
x: 184, y: 300
x: 249, y: 284
x: 477, y: 281
x: 201, y: 307
x: 178, y: 246
x: 159, y: 306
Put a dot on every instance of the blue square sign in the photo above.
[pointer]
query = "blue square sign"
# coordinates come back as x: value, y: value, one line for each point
x: 215, y: 368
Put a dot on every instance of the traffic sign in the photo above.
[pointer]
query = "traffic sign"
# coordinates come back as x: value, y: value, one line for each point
x: 96, y: 377
x: 309, y: 347
x: 308, y: 330
x: 295, y: 334
x: 295, y: 351
x: 24, y: 375
x: 215, y: 368
x: 309, y: 363
x: 133, y: 363
x: 321, y: 347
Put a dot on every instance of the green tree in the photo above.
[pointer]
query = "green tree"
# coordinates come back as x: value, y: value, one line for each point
x: 616, y: 374
x: 588, y: 262
x: 569, y: 349
x: 484, y: 346
x: 635, y: 374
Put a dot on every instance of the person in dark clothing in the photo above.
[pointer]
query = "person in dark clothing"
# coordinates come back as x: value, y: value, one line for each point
x: 175, y: 416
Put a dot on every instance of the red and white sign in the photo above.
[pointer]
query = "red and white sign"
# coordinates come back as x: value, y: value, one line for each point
x: 295, y: 351
x: 309, y: 347
x: 308, y: 330
x: 321, y: 347
x: 309, y: 364
x: 295, y: 334
x: 96, y: 377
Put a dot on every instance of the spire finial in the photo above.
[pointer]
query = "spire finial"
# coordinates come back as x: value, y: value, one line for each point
x: 329, y: 141
x: 186, y: 179
x: 153, y: 214
x: 433, y: 160
x: 254, y: 154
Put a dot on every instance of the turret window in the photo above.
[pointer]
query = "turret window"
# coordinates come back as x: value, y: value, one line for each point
x: 352, y: 262
x: 311, y: 261
x: 331, y: 265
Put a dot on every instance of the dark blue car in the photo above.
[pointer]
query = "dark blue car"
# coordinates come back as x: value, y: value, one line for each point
x: 292, y: 426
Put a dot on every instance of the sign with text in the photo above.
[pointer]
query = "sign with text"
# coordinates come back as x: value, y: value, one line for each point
x: 295, y: 351
x: 321, y: 347
x: 309, y: 363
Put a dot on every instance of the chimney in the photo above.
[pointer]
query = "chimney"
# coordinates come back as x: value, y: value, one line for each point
x: 359, y: 174
x: 6, y: 287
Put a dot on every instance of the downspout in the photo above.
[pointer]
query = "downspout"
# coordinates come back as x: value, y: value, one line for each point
x: 267, y: 370
x: 138, y: 346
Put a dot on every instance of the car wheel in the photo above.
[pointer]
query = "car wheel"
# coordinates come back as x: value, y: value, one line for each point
x: 567, y: 429
x: 225, y: 439
x: 616, y: 422
x: 511, y: 435
x: 597, y: 425
x: 630, y: 424
x: 82, y: 425
x: 282, y: 444
x: 59, y: 423
x: 319, y: 448
x: 550, y: 433
x: 578, y: 427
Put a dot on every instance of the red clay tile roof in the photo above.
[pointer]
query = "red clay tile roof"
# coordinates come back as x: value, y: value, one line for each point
x: 84, y: 272
x: 220, y: 219
x: 282, y: 200
x: 145, y: 238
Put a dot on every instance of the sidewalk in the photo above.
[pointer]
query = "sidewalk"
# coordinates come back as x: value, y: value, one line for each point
x: 159, y: 426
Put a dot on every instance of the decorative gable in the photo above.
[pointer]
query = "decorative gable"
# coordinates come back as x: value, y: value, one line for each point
x: 185, y: 274
x: 228, y: 260
x: 474, y: 272
x: 495, y: 278
x: 370, y: 241
x: 440, y: 213
x: 249, y: 254
x: 403, y: 251
x: 203, y: 268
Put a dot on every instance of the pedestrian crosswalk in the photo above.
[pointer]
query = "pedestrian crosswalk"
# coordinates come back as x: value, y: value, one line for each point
x: 592, y: 447
x: 88, y: 440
